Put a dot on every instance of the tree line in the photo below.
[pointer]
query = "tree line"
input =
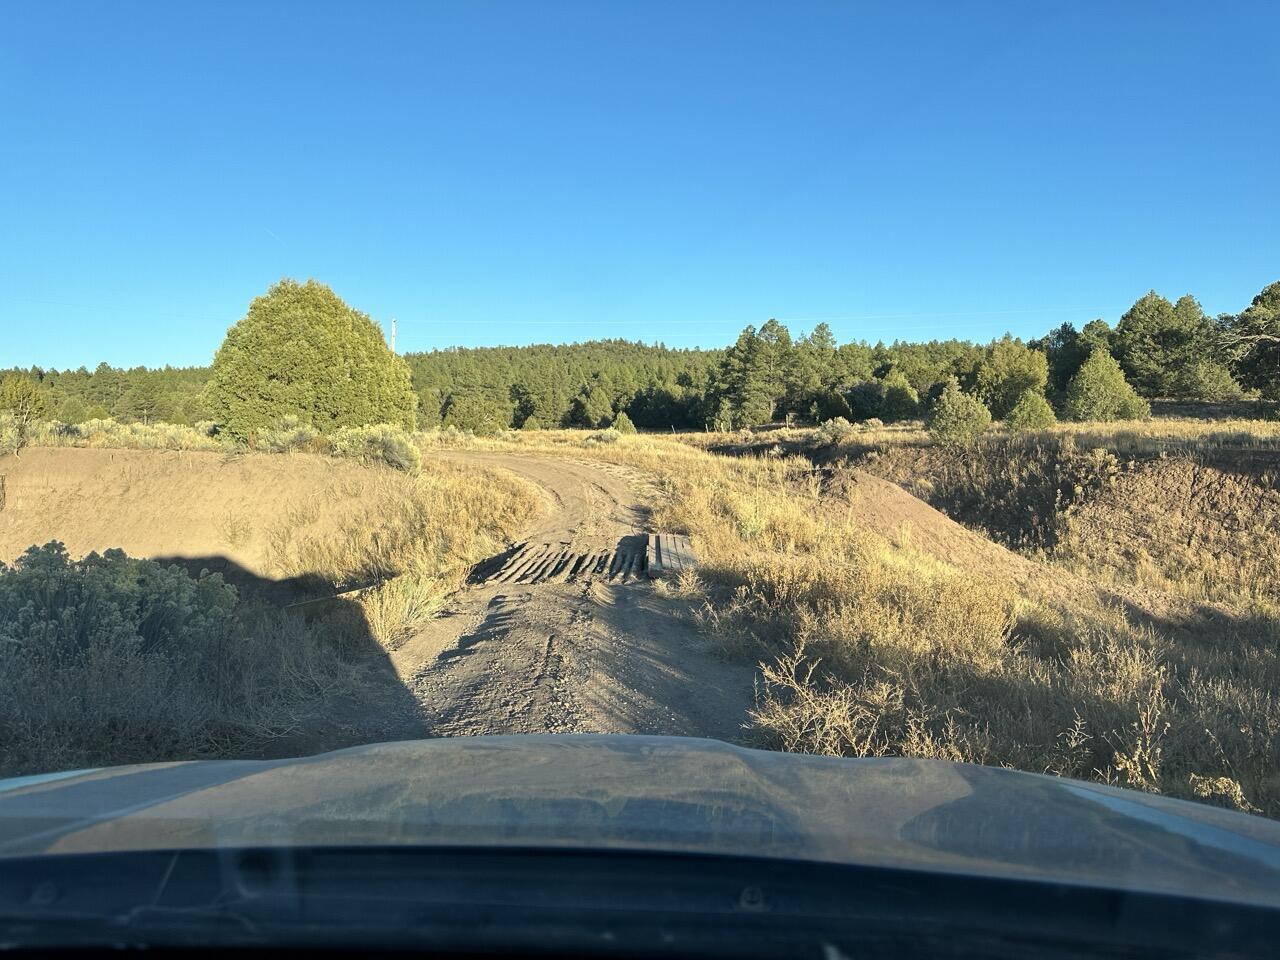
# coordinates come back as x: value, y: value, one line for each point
x: 274, y: 364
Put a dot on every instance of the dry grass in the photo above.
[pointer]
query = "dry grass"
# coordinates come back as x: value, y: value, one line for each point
x: 411, y: 545
x: 187, y: 668
x: 870, y: 647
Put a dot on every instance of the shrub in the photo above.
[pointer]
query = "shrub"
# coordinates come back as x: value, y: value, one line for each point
x: 1099, y: 391
x: 1207, y: 380
x: 958, y: 419
x: 872, y: 423
x: 1031, y: 412
x: 10, y: 438
x: 22, y: 403
x: 289, y: 433
x: 602, y: 436
x: 381, y: 443
x: 834, y: 430
x: 531, y: 423
x: 300, y: 350
x: 114, y: 660
x: 622, y: 423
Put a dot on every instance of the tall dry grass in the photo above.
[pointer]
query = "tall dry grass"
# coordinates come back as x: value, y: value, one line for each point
x: 411, y: 545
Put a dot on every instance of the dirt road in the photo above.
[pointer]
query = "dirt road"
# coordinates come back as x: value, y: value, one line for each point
x: 564, y: 633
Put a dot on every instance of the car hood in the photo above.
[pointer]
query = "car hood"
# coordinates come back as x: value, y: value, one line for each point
x: 657, y: 793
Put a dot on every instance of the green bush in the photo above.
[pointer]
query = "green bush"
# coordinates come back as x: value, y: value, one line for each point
x: 114, y: 660
x: 1099, y: 391
x: 832, y: 431
x: 300, y: 350
x: 1031, y: 412
x: 958, y: 419
x: 289, y: 433
x: 22, y: 403
x: 531, y: 423
x: 899, y: 399
x: 380, y: 443
x: 1209, y: 381
x: 622, y: 423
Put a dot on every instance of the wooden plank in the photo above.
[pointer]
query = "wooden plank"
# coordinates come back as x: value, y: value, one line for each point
x: 669, y: 553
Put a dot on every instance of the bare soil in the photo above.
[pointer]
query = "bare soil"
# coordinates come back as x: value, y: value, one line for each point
x: 183, y: 505
x: 585, y: 651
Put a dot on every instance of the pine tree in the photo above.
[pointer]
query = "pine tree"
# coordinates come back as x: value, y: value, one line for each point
x: 1099, y: 391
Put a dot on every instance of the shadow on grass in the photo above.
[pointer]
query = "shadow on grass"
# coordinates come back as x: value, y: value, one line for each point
x: 367, y: 702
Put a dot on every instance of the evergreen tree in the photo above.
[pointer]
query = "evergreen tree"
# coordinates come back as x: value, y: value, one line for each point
x: 1031, y: 412
x: 622, y: 423
x: 1099, y: 391
x: 1009, y: 369
x: 1156, y: 338
x: 1208, y: 381
x: 898, y: 399
x: 300, y: 350
x: 1253, y: 342
x: 477, y: 411
x: 957, y: 419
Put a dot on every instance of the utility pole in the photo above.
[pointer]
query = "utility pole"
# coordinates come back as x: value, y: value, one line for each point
x: 393, y: 334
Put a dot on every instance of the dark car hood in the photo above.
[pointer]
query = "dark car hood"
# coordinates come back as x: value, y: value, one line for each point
x: 647, y: 793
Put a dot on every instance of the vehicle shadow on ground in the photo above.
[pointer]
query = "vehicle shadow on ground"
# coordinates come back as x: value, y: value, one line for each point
x: 367, y: 703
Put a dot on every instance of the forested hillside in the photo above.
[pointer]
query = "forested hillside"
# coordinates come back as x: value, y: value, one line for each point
x: 1164, y: 349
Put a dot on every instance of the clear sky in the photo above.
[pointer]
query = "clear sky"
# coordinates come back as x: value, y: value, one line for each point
x: 534, y: 171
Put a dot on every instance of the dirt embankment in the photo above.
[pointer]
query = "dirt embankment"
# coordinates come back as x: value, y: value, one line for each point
x: 163, y: 503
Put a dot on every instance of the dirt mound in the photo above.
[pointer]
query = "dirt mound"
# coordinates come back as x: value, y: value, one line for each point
x: 162, y: 503
x: 886, y: 509
x: 1185, y: 526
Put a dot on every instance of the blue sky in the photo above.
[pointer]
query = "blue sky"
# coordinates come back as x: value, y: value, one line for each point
x: 513, y: 172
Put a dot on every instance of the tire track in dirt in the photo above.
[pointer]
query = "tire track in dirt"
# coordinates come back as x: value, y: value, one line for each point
x: 565, y: 633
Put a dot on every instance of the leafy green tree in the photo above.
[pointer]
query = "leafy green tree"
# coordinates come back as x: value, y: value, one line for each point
x: 480, y: 412
x: 1099, y: 391
x: 531, y: 423
x: 958, y: 419
x: 24, y: 403
x: 301, y: 350
x: 1252, y: 340
x: 899, y: 400
x: 1009, y: 369
x: 1031, y: 412
x: 622, y: 423
x: 73, y: 410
